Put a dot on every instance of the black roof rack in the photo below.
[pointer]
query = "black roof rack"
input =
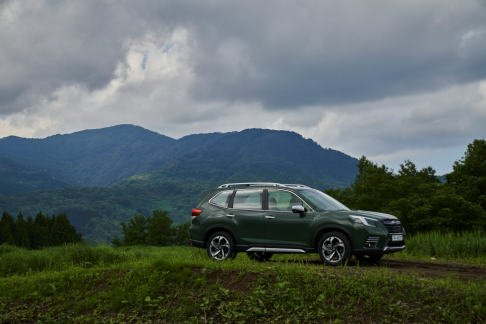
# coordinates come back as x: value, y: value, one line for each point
x: 260, y: 184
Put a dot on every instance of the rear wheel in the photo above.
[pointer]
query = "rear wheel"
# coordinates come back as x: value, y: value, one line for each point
x: 369, y: 258
x: 220, y: 246
x: 334, y: 248
x: 259, y: 256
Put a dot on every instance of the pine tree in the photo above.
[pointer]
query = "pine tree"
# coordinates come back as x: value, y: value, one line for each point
x: 21, y: 232
x: 40, y: 228
x: 7, y: 229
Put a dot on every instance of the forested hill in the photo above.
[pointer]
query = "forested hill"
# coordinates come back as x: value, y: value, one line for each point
x: 96, y: 157
x: 104, y: 156
x: 123, y: 170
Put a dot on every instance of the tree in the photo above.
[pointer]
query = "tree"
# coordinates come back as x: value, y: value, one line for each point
x: 469, y: 174
x: 21, y: 232
x: 39, y: 232
x: 153, y: 230
x: 61, y: 231
x: 418, y: 198
x: 135, y: 232
x: 182, y: 236
x: 7, y: 229
x: 159, y: 231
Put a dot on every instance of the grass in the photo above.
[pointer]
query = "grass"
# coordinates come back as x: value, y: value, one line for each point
x: 469, y: 247
x: 85, y: 284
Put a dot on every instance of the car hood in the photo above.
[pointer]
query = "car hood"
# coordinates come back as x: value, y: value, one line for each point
x: 371, y: 214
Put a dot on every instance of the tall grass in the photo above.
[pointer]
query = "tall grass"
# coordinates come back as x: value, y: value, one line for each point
x: 14, y: 260
x: 449, y: 246
x: 464, y: 247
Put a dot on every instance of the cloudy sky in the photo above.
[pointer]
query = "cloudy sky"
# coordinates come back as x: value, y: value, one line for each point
x: 391, y: 80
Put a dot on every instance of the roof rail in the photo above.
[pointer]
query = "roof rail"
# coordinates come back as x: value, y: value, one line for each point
x: 249, y: 184
x: 295, y: 185
x: 260, y: 184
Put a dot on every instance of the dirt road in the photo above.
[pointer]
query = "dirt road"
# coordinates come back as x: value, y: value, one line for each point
x: 436, y: 268
x: 423, y: 268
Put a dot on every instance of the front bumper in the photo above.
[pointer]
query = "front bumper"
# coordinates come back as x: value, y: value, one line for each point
x: 391, y: 249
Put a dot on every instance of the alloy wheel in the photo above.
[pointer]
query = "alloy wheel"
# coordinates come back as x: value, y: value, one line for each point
x: 333, y: 249
x: 219, y: 248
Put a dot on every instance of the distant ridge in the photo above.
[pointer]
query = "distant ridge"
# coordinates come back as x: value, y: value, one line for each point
x: 101, y: 157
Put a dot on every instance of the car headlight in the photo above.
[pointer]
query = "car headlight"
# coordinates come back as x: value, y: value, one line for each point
x: 364, y: 220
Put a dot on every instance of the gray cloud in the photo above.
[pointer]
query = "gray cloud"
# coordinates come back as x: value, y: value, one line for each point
x: 391, y: 80
x: 50, y: 44
x: 283, y: 55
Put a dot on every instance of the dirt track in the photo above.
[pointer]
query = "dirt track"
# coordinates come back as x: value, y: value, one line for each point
x: 423, y: 268
x: 436, y: 269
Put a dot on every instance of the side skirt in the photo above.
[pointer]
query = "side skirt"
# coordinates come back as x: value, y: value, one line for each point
x: 274, y: 250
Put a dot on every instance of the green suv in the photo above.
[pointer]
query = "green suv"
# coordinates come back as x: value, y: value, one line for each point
x: 266, y: 218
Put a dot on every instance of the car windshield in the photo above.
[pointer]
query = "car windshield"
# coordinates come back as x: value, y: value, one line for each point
x: 321, y: 201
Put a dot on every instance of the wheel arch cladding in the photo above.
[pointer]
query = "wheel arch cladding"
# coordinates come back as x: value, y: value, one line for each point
x: 218, y: 228
x: 331, y: 228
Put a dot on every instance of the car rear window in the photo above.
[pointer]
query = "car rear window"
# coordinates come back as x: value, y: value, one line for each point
x: 221, y: 199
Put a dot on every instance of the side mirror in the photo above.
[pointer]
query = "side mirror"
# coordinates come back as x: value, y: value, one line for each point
x: 298, y: 209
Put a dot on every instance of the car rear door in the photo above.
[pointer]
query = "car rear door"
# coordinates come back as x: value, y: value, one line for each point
x: 247, y: 211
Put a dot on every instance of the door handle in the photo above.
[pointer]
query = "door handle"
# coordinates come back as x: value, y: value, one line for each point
x: 269, y: 217
x: 230, y: 215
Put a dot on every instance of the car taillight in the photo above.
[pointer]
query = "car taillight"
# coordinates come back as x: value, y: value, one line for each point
x: 196, y: 212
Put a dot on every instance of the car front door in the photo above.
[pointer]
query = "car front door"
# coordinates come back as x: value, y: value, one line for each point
x: 247, y: 210
x: 284, y: 228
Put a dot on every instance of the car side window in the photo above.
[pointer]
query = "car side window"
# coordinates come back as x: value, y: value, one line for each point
x: 283, y: 200
x: 248, y: 199
x: 221, y: 199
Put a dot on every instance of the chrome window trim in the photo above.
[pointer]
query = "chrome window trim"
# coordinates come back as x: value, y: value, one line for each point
x: 263, y: 210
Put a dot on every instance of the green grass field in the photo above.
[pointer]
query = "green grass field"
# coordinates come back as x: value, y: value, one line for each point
x: 82, y: 283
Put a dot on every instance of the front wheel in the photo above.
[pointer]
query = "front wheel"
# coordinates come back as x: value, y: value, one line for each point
x: 220, y: 246
x: 334, y: 248
x: 259, y: 256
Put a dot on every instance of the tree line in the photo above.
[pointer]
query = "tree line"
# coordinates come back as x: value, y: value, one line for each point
x: 153, y: 230
x: 423, y: 201
x: 37, y: 233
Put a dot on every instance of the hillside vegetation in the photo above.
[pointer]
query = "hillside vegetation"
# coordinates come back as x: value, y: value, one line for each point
x: 82, y: 283
x: 16, y: 178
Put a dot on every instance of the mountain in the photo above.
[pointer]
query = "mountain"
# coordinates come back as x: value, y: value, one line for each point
x: 97, y: 157
x: 259, y: 154
x: 134, y: 170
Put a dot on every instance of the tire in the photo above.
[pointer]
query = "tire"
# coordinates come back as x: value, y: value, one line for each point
x: 369, y: 258
x: 259, y: 256
x: 334, y: 248
x: 221, y: 246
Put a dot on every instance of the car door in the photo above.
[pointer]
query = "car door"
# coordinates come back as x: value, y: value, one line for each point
x: 284, y: 228
x: 246, y: 206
